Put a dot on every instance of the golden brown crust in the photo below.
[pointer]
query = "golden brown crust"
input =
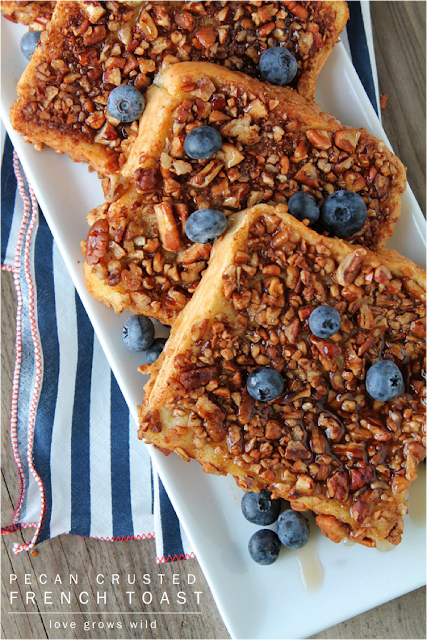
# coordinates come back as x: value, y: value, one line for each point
x: 324, y: 444
x: 103, y: 45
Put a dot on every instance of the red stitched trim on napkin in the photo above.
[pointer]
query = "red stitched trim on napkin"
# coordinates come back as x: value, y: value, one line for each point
x: 175, y: 558
x: 29, y: 205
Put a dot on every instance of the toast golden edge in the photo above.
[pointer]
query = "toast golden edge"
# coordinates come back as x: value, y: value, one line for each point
x: 307, y: 83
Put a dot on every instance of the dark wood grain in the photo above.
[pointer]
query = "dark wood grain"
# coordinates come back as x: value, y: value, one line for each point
x: 399, y: 35
x: 399, y: 30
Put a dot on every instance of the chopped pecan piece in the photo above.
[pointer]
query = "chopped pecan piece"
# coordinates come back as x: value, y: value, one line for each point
x: 229, y: 155
x: 197, y: 377
x: 308, y: 174
x: 320, y: 139
x: 241, y: 129
x: 332, y: 528
x: 338, y: 486
x: 349, y: 268
x: 317, y: 441
x: 206, y: 36
x: 328, y: 350
x: 360, y: 475
x: 186, y: 21
x: 359, y: 510
x: 418, y: 328
x: 215, y: 430
x: 168, y: 229
x: 246, y: 408
x: 146, y: 179
x: 209, y: 410
x: 347, y: 139
x: 97, y: 241
x: 147, y: 26
x: 304, y: 486
x: 334, y: 430
x: 297, y: 451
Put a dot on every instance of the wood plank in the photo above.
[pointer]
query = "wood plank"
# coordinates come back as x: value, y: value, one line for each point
x: 399, y: 37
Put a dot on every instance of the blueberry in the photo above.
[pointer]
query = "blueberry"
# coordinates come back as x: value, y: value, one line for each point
x: 293, y: 529
x: 29, y: 42
x: 303, y: 207
x: 259, y: 508
x: 205, y: 225
x: 138, y: 333
x: 155, y: 350
x: 264, y: 546
x: 384, y: 381
x: 202, y: 142
x: 343, y: 213
x: 265, y: 384
x: 278, y: 66
x: 125, y: 103
x: 324, y: 321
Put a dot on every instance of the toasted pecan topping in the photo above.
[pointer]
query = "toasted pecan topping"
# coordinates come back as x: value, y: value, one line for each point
x: 104, y: 45
x: 324, y: 436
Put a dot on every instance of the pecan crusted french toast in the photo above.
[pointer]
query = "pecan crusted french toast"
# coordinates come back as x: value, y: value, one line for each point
x: 324, y: 444
x: 275, y: 143
x: 92, y: 47
x: 34, y: 14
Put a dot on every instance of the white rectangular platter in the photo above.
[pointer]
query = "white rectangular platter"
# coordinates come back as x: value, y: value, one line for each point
x: 254, y: 601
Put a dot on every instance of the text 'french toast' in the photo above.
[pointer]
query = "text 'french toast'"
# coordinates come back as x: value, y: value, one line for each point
x: 275, y: 143
x: 324, y: 443
x: 90, y: 48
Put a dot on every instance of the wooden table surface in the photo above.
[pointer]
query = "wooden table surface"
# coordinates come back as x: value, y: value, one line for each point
x: 399, y: 36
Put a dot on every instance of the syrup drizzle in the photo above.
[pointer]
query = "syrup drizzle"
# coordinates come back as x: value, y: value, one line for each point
x: 384, y: 546
x: 417, y: 498
x: 310, y: 567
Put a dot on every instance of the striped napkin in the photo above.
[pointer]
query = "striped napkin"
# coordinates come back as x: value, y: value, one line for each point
x: 81, y: 469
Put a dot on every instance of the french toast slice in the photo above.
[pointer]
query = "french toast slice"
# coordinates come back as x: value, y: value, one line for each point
x: 34, y: 14
x: 324, y: 444
x: 275, y: 143
x: 92, y: 47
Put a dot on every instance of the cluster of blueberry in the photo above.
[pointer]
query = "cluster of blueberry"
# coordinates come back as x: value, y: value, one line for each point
x: 293, y: 530
x: 138, y: 335
x: 342, y: 213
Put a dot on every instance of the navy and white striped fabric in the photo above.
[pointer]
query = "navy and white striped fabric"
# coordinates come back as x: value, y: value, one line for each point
x: 87, y: 473
x: 81, y: 468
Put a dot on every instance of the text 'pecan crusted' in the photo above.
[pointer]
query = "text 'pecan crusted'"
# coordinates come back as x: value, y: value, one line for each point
x: 275, y: 143
x: 324, y: 444
x: 91, y: 47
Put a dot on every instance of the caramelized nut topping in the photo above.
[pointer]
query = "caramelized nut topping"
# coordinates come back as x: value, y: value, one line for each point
x: 102, y: 45
x: 247, y: 170
x: 324, y: 439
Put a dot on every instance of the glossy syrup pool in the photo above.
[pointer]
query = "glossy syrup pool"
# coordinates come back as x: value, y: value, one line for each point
x: 417, y: 498
x: 310, y: 567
